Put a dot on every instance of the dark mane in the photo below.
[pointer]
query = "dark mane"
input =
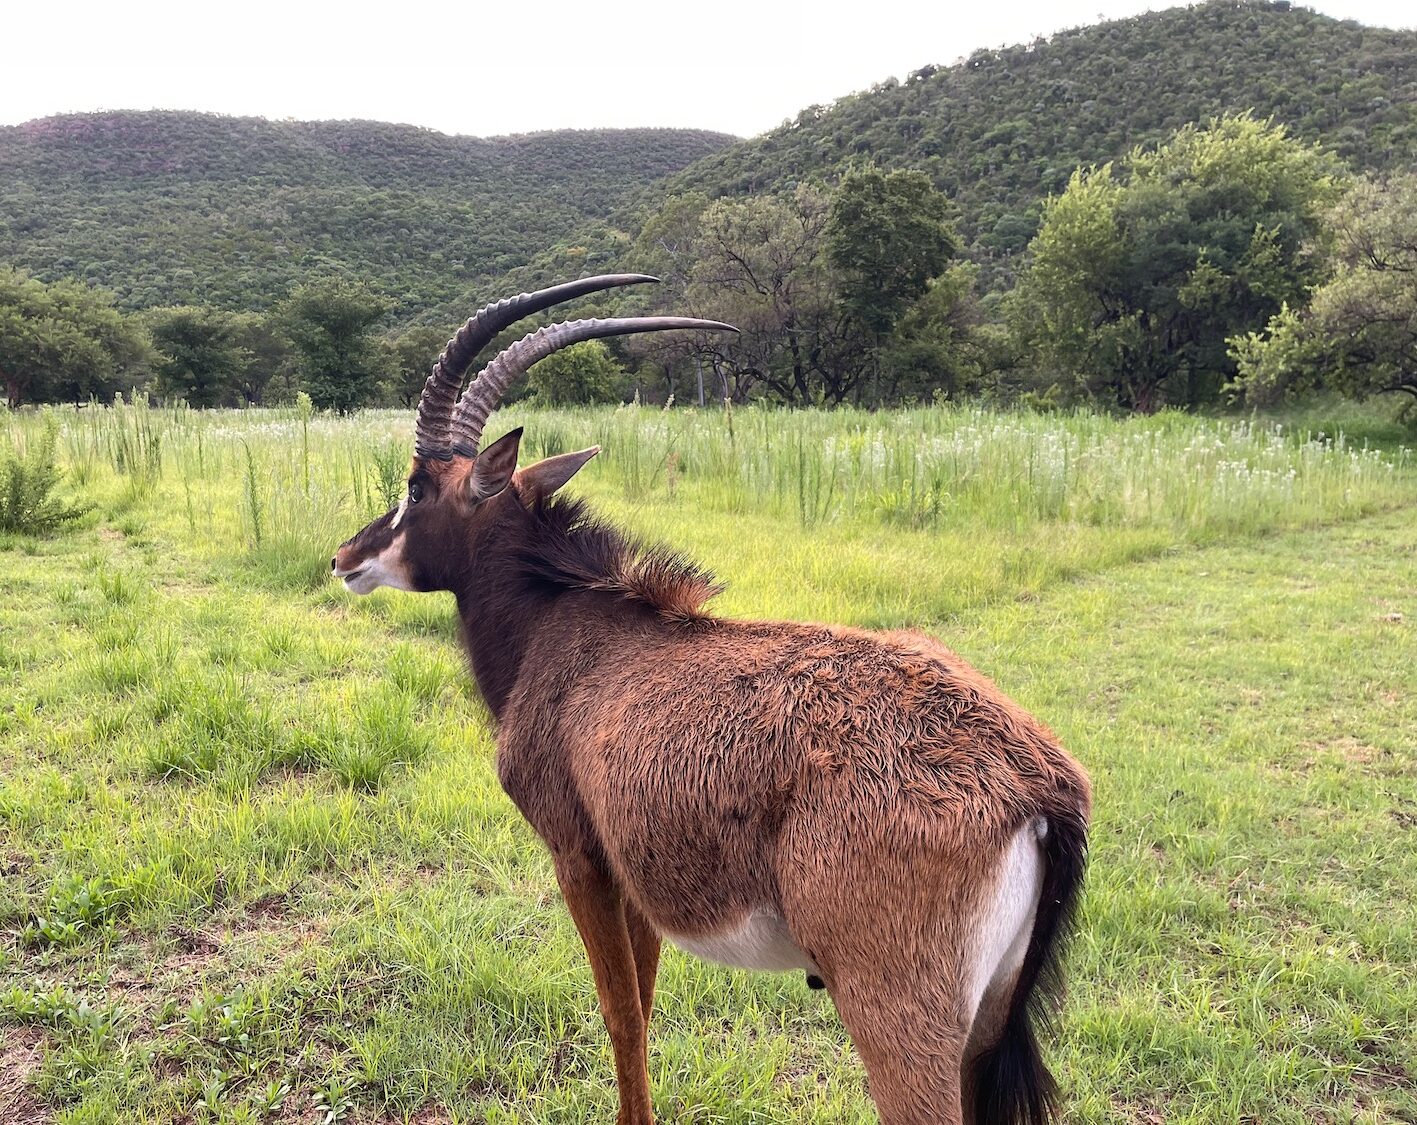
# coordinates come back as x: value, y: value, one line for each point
x: 570, y: 548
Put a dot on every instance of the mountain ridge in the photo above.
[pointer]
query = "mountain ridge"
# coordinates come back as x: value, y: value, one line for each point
x: 176, y: 207
x: 1005, y: 127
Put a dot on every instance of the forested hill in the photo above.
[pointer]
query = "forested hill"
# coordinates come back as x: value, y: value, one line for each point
x: 1002, y: 129
x: 167, y: 207
x: 190, y: 208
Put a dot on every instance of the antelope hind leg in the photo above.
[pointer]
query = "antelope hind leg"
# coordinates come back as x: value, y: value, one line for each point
x: 645, y: 942
x: 911, y: 1037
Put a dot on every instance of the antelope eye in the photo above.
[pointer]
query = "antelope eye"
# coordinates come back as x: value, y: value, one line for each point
x: 415, y: 492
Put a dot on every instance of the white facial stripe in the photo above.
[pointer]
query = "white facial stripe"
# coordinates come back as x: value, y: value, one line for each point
x: 384, y: 569
x: 403, y: 507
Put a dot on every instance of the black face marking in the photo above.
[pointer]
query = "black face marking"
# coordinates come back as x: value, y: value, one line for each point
x: 373, y: 539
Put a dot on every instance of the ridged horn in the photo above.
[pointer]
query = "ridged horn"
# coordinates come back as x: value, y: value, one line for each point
x: 440, y: 392
x: 486, y: 390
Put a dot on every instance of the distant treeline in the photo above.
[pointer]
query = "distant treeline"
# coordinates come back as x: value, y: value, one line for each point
x: 1232, y: 261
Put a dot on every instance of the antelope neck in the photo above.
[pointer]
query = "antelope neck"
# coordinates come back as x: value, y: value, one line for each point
x: 503, y: 608
x: 499, y: 613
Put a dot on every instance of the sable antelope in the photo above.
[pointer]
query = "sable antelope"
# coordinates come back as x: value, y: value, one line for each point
x: 863, y: 807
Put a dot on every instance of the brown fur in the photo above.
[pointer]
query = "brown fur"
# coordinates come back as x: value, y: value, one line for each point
x: 685, y: 770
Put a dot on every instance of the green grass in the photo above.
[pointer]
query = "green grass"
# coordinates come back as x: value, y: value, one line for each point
x: 255, y: 864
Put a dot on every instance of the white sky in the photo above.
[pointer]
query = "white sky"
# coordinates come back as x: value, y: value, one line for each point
x: 738, y: 66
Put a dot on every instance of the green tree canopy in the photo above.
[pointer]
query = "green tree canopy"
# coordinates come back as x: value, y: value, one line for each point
x: 271, y: 363
x: 762, y: 265
x: 63, y: 341
x: 1135, y: 281
x: 411, y: 355
x: 888, y: 235
x: 1358, y: 333
x: 839, y: 296
x: 201, y: 353
x: 583, y: 373
x: 941, y: 344
x: 330, y: 323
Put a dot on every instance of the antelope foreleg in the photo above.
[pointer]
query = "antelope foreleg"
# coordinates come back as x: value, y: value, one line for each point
x: 600, y: 913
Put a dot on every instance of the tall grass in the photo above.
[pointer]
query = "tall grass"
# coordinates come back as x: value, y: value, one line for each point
x: 285, y: 485
x: 947, y: 465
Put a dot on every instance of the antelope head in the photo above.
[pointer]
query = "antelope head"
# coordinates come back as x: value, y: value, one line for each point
x: 453, y: 489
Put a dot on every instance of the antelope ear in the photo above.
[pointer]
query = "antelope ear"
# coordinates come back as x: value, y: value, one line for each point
x: 542, y: 479
x: 495, y: 465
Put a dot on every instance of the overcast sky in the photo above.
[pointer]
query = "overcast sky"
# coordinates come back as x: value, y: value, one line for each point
x: 739, y: 66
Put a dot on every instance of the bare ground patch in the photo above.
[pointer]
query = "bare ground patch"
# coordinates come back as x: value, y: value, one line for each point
x: 21, y: 1051
x: 175, y: 966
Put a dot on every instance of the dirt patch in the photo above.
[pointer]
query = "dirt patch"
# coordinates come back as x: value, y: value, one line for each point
x: 155, y: 972
x: 21, y: 1050
x: 424, y: 1115
x: 196, y: 950
x: 1369, y: 759
x: 1352, y: 750
x: 299, y: 1109
x: 431, y: 1115
x: 1143, y: 1113
x: 268, y: 910
x: 15, y: 863
x: 1387, y: 1075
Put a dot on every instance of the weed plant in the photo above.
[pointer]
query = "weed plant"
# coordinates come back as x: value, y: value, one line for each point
x: 30, y: 477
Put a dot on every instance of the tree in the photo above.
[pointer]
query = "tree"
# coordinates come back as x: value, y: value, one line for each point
x: 201, y: 356
x: 1358, y: 333
x: 63, y: 341
x: 763, y: 266
x: 330, y: 324
x: 410, y: 357
x: 271, y: 363
x: 671, y: 246
x: 941, y: 343
x: 1134, y: 281
x: 759, y: 263
x: 889, y: 234
x: 582, y: 373
x: 816, y: 283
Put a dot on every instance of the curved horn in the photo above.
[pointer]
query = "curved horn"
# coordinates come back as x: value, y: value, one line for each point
x: 435, y: 406
x: 486, y: 390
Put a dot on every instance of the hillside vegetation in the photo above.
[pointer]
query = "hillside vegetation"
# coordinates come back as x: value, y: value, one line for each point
x: 184, y: 208
x: 1117, y: 215
x: 176, y: 208
x: 999, y: 131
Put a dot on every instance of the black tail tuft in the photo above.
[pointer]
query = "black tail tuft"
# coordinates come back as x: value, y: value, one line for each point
x: 1012, y: 1085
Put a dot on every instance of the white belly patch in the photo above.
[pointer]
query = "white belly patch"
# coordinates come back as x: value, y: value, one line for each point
x: 761, y: 941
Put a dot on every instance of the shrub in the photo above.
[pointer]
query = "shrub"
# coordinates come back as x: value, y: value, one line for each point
x: 28, y: 480
x: 583, y: 373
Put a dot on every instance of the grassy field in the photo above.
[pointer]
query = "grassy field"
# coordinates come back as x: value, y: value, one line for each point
x: 255, y: 865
